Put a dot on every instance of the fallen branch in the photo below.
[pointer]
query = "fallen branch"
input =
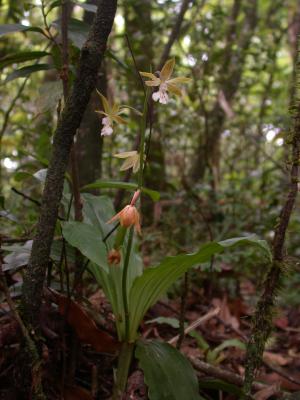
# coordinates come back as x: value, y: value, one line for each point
x: 196, y: 323
x: 220, y: 373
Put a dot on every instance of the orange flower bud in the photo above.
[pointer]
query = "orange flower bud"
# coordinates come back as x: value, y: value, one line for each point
x: 114, y: 257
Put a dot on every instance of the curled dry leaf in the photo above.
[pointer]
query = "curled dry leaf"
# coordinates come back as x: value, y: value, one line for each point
x: 85, y: 328
x: 267, y: 392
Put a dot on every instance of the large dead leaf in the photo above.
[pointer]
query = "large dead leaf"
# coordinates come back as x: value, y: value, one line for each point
x: 85, y: 328
x: 77, y: 393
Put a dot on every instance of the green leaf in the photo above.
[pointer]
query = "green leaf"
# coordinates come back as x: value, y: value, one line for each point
x: 77, y: 31
x: 21, y: 175
x: 217, y: 384
x: 54, y: 4
x: 168, y: 374
x: 87, y: 239
x: 121, y: 185
x: 173, y: 322
x: 230, y: 343
x: 97, y: 210
x: 155, y: 281
x: 12, y: 28
x: 22, y: 56
x: 26, y: 71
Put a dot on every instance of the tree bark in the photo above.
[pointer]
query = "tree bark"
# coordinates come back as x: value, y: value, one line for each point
x: 90, y: 61
x: 89, y: 142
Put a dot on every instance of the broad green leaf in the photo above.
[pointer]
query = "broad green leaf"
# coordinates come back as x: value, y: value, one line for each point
x: 26, y: 71
x: 121, y: 185
x: 167, y: 373
x: 12, y: 28
x: 155, y: 281
x: 97, y: 210
x: 22, y: 56
x: 87, y: 239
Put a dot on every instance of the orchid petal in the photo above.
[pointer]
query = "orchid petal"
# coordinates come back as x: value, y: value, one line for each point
x: 174, y: 89
x: 167, y: 70
x: 179, y: 79
x: 126, y: 154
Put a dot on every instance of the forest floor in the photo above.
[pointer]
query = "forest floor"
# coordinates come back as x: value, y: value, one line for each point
x: 219, y: 341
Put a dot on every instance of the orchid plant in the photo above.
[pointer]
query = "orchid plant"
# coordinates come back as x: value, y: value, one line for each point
x: 112, y: 253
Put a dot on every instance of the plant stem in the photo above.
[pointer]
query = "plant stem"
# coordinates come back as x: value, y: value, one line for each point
x: 124, y: 283
x: 142, y: 141
x: 124, y: 362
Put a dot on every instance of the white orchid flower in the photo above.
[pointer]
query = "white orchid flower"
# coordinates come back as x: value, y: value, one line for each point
x: 164, y: 82
x: 112, y: 114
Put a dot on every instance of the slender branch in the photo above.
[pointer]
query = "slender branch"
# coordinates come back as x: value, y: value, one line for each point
x: 25, y: 196
x: 220, y: 373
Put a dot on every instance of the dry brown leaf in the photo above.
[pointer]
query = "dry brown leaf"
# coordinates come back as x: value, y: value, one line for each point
x: 267, y: 392
x: 225, y: 314
x: 275, y: 358
x: 85, y: 328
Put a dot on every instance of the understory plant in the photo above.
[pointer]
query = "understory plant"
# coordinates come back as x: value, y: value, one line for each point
x: 110, y: 242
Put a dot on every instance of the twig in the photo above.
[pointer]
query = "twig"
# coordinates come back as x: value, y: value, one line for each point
x: 196, y: 323
x: 37, y: 202
x: 220, y: 373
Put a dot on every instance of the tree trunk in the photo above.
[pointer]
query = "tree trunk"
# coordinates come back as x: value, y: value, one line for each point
x: 89, y: 141
x: 86, y: 77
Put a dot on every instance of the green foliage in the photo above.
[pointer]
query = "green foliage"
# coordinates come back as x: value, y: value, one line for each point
x: 153, y: 194
x: 154, y: 282
x: 168, y: 374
